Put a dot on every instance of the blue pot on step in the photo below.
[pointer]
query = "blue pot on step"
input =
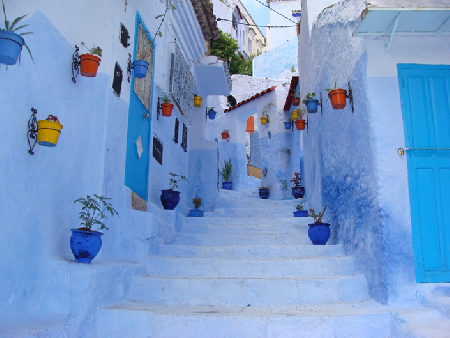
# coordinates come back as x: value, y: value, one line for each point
x: 311, y: 105
x: 212, y: 114
x: 301, y: 213
x: 140, y: 68
x: 85, y: 245
x: 227, y: 185
x: 298, y: 192
x: 319, y: 233
x: 10, y: 47
x: 170, y: 198
x: 196, y: 213
x: 264, y: 193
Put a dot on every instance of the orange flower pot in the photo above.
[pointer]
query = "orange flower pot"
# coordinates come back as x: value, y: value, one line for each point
x: 295, y: 101
x: 167, y: 109
x: 300, y: 124
x: 338, y: 98
x: 89, y: 64
x: 224, y: 135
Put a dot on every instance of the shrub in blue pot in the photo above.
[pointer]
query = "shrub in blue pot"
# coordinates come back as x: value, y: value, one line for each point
x: 197, y: 201
x: 170, y: 197
x: 212, y: 113
x: 225, y: 173
x: 318, y: 232
x: 11, y: 42
x: 300, y: 212
x: 311, y: 103
x: 297, y: 190
x: 85, y: 243
x: 264, y: 193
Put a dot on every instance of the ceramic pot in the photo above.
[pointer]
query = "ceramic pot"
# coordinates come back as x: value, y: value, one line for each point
x: 85, y: 245
x: 10, y: 47
x: 170, y: 199
x: 338, y: 98
x: 298, y: 192
x: 319, y: 233
x: 140, y: 68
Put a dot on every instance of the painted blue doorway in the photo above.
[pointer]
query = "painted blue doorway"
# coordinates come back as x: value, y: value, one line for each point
x: 139, y: 117
x: 425, y: 98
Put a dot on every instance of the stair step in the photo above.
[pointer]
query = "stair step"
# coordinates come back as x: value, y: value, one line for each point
x: 242, y: 239
x: 248, y: 251
x: 250, y: 267
x: 356, y: 319
x: 239, y: 291
x: 252, y: 212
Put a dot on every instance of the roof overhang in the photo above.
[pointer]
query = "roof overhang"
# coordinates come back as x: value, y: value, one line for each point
x: 212, y: 76
x: 403, y: 21
x: 291, y: 92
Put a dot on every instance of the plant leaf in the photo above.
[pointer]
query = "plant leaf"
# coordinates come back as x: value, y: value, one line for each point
x: 16, y: 21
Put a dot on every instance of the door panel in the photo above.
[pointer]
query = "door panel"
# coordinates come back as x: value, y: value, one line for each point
x: 425, y: 100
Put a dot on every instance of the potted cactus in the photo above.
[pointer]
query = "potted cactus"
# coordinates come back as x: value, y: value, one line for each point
x: 11, y: 41
x: 318, y: 232
x: 170, y: 197
x: 85, y: 243
x: 197, y: 201
x: 297, y: 190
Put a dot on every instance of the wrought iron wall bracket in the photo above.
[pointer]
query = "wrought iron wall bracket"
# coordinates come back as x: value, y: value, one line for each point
x: 350, y: 96
x: 129, y: 68
x: 75, y: 64
x: 158, y: 109
x: 320, y: 104
x: 32, y: 131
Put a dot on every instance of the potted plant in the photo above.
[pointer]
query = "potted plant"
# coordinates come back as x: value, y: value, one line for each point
x: 140, y: 66
x: 264, y: 191
x: 166, y: 106
x: 338, y: 97
x: 297, y: 190
x: 318, y: 232
x: 170, y: 197
x: 295, y: 99
x: 85, y: 242
x: 211, y: 113
x: 299, y: 121
x: 288, y: 124
x: 265, y: 116
x: 49, y: 131
x: 225, y: 173
x: 197, y: 101
x: 225, y: 134
x: 89, y: 62
x: 311, y: 103
x: 299, y: 207
x: 10, y: 42
x: 197, y: 201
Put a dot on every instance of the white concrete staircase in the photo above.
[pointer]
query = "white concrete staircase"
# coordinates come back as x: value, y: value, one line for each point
x: 247, y: 270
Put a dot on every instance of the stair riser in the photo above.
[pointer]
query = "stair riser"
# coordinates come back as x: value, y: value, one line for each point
x: 244, y: 239
x: 240, y: 221
x: 142, y: 324
x: 249, y: 251
x: 239, y: 292
x: 220, y: 267
x: 244, y: 229
x: 263, y: 213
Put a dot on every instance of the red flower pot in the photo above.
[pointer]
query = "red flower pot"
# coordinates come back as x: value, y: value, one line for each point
x: 295, y: 101
x: 167, y: 109
x: 89, y: 64
x: 224, y: 135
x: 300, y: 124
x: 338, y: 98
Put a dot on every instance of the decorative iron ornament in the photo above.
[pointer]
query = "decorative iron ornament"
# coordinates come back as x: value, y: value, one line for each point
x: 350, y: 96
x: 129, y: 68
x: 183, y: 85
x: 32, y: 131
x: 75, y: 64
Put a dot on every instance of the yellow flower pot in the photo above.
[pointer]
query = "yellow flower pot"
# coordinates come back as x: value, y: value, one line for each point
x: 48, y: 133
x: 264, y: 119
x: 294, y: 115
x: 197, y: 101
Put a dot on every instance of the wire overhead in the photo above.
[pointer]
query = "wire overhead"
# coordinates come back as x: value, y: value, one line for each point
x: 277, y: 13
x: 248, y: 24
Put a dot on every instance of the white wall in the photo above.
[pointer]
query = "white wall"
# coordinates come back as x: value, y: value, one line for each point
x: 277, y: 36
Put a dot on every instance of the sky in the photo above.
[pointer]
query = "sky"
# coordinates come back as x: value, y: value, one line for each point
x: 259, y: 13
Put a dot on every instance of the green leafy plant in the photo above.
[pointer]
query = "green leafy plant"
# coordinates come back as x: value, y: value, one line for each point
x: 171, y: 6
x: 309, y: 96
x: 226, y: 169
x: 163, y: 95
x: 93, y: 211
x: 283, y: 185
x: 293, y: 69
x: 263, y: 175
x: 14, y: 29
x: 174, y: 180
x: 142, y: 55
x: 301, y: 112
x: 267, y: 108
x: 94, y: 50
x: 296, y: 180
x: 330, y: 89
x: 317, y: 217
x: 211, y: 109
x: 197, y: 201
x: 301, y: 205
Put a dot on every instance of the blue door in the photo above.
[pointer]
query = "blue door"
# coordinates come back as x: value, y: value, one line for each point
x: 425, y: 98
x: 139, y: 118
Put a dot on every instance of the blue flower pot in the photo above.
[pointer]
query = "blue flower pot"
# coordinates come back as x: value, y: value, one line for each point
x: 319, y: 233
x: 212, y: 114
x: 85, y: 245
x: 301, y: 213
x: 140, y: 68
x: 287, y: 125
x: 10, y: 47
x: 196, y: 213
x: 227, y: 185
x: 298, y: 192
x: 170, y: 198
x: 264, y: 193
x: 311, y: 105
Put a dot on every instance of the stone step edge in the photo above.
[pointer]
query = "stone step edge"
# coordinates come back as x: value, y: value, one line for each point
x: 257, y: 258
x: 253, y: 278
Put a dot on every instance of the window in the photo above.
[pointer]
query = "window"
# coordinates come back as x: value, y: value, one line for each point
x: 184, y: 138
x: 175, y: 133
x: 250, y: 49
